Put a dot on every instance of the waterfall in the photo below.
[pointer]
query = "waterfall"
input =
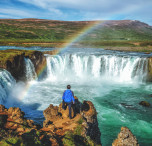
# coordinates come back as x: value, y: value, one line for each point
x: 30, y: 70
x: 7, y: 82
x: 78, y: 66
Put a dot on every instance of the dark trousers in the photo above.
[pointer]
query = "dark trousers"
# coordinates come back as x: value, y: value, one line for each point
x: 69, y: 106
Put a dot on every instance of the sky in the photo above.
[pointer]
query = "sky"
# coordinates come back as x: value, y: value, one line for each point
x: 78, y: 10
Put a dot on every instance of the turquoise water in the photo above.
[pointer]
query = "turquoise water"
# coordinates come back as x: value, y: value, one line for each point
x: 113, y: 81
x: 120, y: 107
x: 116, y: 104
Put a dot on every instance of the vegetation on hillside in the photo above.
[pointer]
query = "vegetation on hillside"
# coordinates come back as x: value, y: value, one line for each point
x: 6, y: 55
x: 50, y: 33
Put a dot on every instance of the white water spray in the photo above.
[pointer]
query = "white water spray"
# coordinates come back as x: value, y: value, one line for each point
x: 77, y: 66
x: 7, y: 82
x: 30, y: 70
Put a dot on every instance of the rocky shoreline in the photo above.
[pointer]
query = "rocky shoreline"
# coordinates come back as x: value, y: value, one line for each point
x: 57, y: 128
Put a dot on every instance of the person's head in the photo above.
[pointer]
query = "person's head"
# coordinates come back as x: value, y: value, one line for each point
x: 68, y: 87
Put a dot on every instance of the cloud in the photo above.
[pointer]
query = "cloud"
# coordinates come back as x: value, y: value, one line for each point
x: 82, y: 9
x: 90, y: 5
x: 11, y: 11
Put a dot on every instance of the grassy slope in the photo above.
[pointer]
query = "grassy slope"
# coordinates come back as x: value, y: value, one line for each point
x: 6, y: 55
x: 38, y: 32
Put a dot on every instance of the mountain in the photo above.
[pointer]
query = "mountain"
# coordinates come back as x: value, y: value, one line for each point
x: 121, y: 30
x: 53, y: 31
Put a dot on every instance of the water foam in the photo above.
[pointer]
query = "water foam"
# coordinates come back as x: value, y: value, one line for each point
x: 7, y: 82
x: 76, y: 66
x: 30, y: 70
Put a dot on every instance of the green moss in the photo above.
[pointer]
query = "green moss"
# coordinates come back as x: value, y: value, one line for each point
x: 68, y: 139
x: 76, y: 138
x: 11, y: 141
x: 80, y: 121
x: 38, y: 133
x: 8, y: 55
x: 78, y: 130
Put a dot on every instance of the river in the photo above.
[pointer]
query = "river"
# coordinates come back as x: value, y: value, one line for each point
x: 114, y: 81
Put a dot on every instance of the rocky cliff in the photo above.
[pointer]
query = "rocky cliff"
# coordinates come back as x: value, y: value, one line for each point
x: 13, y: 61
x: 82, y: 129
x: 57, y: 128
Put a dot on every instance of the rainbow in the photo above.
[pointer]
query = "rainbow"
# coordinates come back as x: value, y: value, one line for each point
x: 91, y: 26
x: 76, y: 37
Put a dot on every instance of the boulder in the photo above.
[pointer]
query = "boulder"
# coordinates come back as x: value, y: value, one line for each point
x: 125, y: 138
x: 144, y: 103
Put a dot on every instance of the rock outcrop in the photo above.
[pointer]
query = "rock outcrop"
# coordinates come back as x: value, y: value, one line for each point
x: 144, y: 103
x: 17, y: 130
x: 125, y: 138
x: 57, y: 128
x: 13, y: 61
x: 38, y: 60
x: 82, y: 128
x: 13, y: 119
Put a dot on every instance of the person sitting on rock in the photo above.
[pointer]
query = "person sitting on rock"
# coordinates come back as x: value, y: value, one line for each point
x: 68, y: 98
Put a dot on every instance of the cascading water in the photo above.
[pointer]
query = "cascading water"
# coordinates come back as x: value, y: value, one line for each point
x: 7, y: 82
x: 76, y: 66
x: 30, y: 70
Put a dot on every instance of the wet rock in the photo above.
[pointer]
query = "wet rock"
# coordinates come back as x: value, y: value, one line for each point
x: 39, y: 61
x: 125, y: 138
x: 16, y: 67
x: 144, y: 103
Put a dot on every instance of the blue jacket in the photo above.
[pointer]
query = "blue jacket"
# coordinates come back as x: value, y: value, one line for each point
x: 68, y: 96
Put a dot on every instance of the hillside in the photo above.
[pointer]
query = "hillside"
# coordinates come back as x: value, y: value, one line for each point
x: 112, y: 32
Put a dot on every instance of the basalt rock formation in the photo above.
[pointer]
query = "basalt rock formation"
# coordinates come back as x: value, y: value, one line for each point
x: 125, y: 138
x: 13, y: 61
x: 57, y: 128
